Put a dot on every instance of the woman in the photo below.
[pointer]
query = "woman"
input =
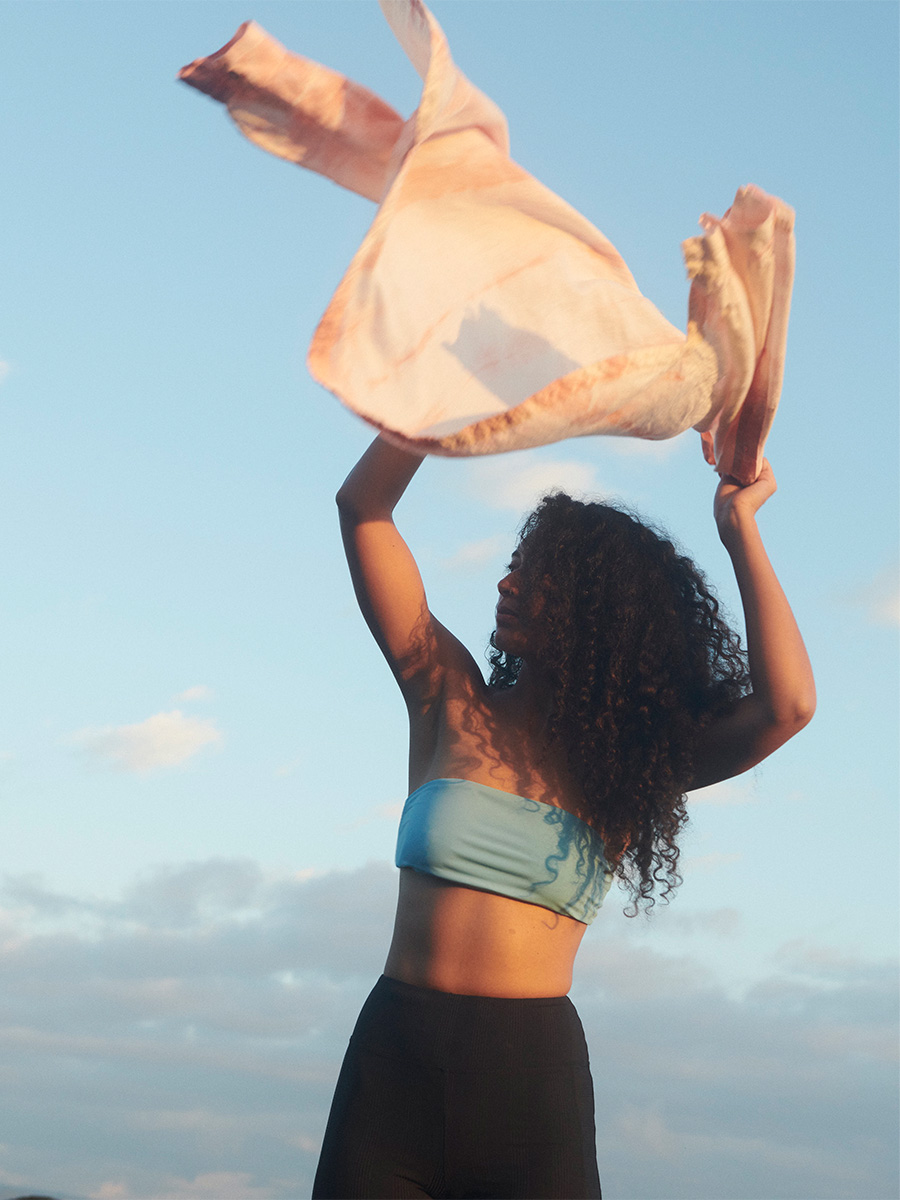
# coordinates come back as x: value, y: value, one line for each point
x: 616, y: 688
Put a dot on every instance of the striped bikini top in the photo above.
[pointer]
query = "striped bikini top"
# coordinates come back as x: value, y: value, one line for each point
x: 479, y: 836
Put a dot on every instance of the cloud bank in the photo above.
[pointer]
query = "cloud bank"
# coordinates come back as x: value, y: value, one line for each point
x: 183, y: 1040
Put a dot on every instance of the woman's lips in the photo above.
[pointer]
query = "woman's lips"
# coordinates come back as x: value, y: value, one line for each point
x: 504, y: 613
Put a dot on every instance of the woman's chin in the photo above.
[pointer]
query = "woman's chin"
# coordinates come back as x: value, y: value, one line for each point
x: 510, y: 641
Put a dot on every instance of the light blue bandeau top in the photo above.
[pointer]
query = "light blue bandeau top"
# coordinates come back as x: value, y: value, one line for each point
x: 479, y: 836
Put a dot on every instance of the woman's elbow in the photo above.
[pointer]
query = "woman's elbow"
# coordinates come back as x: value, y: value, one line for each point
x: 348, y: 503
x: 787, y: 723
x: 806, y: 711
x: 805, y: 704
x: 342, y: 499
x: 356, y: 508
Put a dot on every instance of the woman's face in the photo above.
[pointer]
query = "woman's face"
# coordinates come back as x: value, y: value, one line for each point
x: 516, y: 610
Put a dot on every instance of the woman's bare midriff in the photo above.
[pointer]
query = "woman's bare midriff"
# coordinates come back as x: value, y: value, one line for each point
x: 459, y: 939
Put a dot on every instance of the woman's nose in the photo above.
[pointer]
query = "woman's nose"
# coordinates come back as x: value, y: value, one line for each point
x: 506, y: 587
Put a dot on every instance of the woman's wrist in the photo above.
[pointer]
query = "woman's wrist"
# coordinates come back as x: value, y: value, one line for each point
x: 736, y: 526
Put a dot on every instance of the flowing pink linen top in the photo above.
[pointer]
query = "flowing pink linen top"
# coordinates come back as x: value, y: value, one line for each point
x: 482, y: 313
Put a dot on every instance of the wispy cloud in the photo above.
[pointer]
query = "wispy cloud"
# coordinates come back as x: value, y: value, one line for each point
x: 199, y: 692
x: 718, y: 922
x: 290, y: 768
x: 472, y: 555
x: 706, y: 863
x: 163, y: 740
x: 110, y: 1191
x: 215, y: 1185
x: 879, y: 597
x: 727, y: 793
x: 383, y: 812
x: 655, y: 451
x: 517, y: 482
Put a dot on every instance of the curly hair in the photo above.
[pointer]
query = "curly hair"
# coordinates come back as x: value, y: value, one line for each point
x: 640, y: 660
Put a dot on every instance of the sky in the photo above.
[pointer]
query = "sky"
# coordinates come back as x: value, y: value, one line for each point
x: 202, y: 757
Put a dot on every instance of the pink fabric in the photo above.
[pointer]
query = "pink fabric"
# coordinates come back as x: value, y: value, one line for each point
x: 481, y: 312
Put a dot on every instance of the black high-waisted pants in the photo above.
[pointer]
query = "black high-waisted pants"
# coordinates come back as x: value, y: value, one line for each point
x: 444, y: 1095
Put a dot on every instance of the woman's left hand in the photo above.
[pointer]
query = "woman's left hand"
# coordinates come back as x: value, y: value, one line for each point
x: 734, y: 501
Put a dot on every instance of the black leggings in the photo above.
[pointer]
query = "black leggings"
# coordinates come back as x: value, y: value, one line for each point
x: 444, y: 1095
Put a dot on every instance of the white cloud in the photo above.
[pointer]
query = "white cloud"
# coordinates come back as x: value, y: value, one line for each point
x: 308, y: 1144
x: 192, y: 894
x: 200, y: 692
x: 879, y: 597
x: 729, y: 792
x: 646, y: 1133
x: 719, y: 922
x: 213, y: 1185
x: 472, y: 555
x: 5, y: 1177
x: 656, y: 451
x: 290, y: 768
x: 382, y: 812
x: 517, y: 482
x: 163, y: 740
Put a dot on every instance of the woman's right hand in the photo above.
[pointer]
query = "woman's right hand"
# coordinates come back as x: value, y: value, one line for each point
x: 735, y: 503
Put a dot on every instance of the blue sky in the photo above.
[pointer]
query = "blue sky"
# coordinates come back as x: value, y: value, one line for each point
x: 202, y: 760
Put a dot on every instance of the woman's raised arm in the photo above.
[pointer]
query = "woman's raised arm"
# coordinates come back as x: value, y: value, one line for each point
x: 783, y: 697
x: 385, y: 577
